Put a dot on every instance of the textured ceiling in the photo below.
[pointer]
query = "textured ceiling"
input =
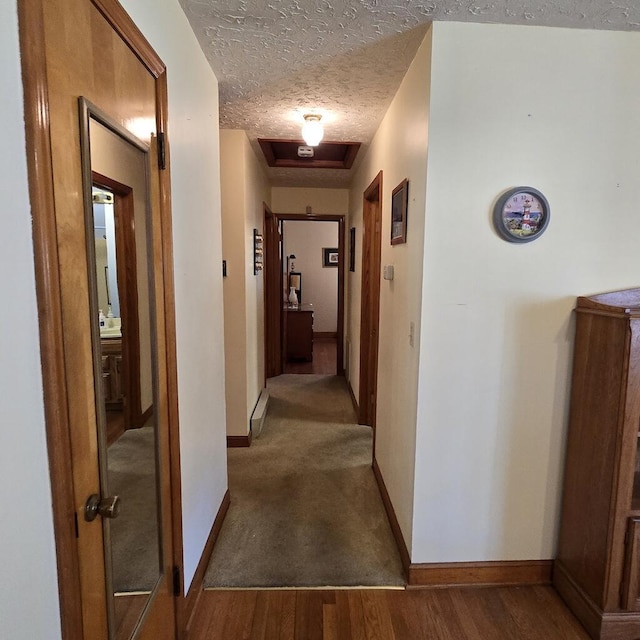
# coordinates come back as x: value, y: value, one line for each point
x: 276, y: 60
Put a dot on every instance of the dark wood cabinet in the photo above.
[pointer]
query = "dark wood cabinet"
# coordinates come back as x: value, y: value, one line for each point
x: 112, y: 381
x: 300, y: 334
x: 597, y: 570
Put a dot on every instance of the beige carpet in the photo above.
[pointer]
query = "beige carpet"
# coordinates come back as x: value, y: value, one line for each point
x: 305, y: 509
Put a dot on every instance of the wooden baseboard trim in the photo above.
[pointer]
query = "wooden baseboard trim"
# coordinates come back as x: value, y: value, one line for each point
x: 464, y: 574
x: 356, y: 408
x: 195, y: 590
x: 393, y: 520
x: 239, y: 441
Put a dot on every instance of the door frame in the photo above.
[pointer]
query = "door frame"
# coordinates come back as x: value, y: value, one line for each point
x: 273, y: 330
x: 48, y: 290
x: 271, y: 298
x: 370, y: 302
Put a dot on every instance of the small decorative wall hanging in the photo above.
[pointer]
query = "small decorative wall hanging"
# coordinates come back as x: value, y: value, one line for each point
x: 399, y: 200
x: 521, y: 214
x: 352, y: 249
x: 258, y: 251
x: 329, y: 257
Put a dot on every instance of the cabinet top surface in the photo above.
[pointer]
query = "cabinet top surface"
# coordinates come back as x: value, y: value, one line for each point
x: 625, y: 302
x: 303, y: 307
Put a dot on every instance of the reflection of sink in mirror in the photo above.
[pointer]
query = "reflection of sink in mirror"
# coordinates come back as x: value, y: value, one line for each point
x: 112, y: 328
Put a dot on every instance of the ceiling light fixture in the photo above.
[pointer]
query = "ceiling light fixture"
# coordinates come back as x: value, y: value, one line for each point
x: 312, y: 130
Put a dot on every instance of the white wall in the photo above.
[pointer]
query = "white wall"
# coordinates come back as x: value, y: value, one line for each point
x: 195, y: 191
x: 399, y: 149
x: 29, y: 599
x: 557, y: 110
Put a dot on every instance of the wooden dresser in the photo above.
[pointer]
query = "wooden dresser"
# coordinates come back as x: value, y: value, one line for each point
x: 300, y: 333
x: 597, y: 571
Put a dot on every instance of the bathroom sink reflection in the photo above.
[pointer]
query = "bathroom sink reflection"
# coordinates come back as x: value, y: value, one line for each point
x: 112, y: 328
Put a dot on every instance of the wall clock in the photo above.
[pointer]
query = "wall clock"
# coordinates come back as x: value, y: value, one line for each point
x: 521, y: 214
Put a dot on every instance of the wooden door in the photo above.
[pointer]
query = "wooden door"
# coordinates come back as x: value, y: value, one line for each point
x: 91, y: 48
x: 370, y: 301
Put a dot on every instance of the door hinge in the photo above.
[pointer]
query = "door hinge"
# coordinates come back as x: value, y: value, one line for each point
x: 75, y: 524
x: 162, y: 161
x: 176, y: 581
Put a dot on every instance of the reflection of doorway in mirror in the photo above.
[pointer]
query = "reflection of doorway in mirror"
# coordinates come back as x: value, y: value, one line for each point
x: 105, y: 238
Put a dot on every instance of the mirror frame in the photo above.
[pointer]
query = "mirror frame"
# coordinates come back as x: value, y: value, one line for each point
x: 87, y: 112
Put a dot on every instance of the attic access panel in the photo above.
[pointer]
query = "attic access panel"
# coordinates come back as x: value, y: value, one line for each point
x: 327, y: 155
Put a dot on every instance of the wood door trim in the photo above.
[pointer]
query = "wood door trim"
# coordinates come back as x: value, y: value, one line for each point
x: 273, y: 342
x: 171, y: 355
x: 370, y: 307
x: 340, y: 219
x: 124, y: 26
x: 47, y: 278
x: 128, y: 293
x: 48, y: 292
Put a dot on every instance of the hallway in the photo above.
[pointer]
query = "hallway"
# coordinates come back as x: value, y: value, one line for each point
x: 305, y: 508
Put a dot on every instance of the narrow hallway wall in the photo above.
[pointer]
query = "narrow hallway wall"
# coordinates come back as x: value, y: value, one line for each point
x: 399, y: 149
x: 197, y: 244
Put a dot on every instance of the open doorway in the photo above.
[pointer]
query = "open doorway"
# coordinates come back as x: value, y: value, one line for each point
x: 310, y: 296
x: 309, y: 327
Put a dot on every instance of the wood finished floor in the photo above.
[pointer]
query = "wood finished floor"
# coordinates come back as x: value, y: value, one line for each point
x: 324, y: 359
x: 504, y: 613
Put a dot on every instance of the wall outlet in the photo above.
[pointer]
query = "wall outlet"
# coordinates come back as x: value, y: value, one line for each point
x: 412, y: 330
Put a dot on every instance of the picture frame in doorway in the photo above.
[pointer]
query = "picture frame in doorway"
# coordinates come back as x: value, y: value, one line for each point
x: 399, y: 201
x: 352, y: 249
x: 330, y: 257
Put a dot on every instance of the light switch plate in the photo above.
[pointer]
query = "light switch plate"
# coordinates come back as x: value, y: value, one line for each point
x: 388, y: 272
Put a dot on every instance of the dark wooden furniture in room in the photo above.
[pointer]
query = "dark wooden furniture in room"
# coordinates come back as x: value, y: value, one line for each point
x: 300, y: 333
x: 112, y: 372
x: 597, y: 571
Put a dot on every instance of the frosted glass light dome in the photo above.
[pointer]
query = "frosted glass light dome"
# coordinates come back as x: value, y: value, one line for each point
x: 312, y: 130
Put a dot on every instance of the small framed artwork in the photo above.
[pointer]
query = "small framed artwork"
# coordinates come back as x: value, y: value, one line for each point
x: 521, y: 214
x: 352, y: 249
x: 329, y: 257
x: 399, y: 200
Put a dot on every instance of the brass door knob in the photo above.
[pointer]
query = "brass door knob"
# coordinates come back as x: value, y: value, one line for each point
x: 105, y: 507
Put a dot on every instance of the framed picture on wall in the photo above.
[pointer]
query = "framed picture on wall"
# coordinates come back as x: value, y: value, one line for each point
x: 399, y: 200
x: 329, y: 257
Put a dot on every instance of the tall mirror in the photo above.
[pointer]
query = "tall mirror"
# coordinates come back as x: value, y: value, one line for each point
x: 115, y: 172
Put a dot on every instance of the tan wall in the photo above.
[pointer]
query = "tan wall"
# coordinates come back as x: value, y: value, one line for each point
x: 234, y: 251
x: 244, y: 190
x: 399, y: 149
x: 257, y: 193
x: 321, y: 201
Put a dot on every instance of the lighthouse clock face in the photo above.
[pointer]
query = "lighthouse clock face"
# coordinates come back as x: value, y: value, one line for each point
x: 521, y: 214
